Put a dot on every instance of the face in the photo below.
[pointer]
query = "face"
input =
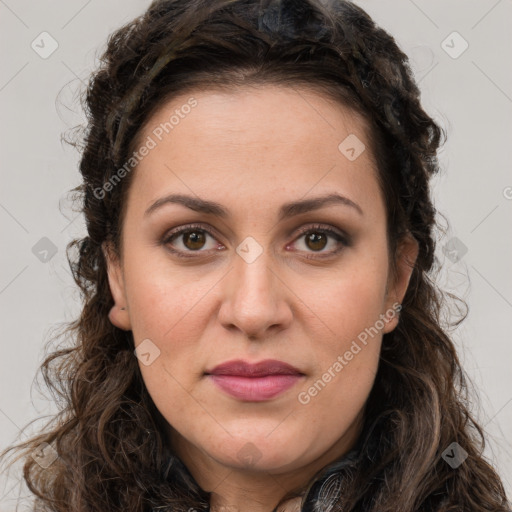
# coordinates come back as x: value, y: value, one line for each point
x: 232, y: 251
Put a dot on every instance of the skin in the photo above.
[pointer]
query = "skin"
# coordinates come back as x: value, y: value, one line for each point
x: 252, y: 150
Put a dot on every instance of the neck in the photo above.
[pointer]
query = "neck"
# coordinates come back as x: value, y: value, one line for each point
x: 235, y: 489
x: 260, y: 498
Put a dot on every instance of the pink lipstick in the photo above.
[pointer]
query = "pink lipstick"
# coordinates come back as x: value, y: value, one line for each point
x: 254, y: 382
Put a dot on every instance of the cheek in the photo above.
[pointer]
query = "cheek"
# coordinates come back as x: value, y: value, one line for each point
x: 347, y: 300
x: 164, y: 298
x: 346, y: 343
x: 346, y: 362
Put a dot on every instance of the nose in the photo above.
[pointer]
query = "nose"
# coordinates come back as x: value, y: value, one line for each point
x: 256, y: 300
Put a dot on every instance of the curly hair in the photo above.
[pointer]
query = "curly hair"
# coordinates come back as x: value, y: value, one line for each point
x: 109, y: 436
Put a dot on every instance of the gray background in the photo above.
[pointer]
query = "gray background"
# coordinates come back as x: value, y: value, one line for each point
x: 469, y: 93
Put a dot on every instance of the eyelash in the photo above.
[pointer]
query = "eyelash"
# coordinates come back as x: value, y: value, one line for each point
x: 344, y: 240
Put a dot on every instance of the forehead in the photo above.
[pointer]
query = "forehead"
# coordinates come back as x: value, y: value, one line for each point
x: 261, y: 142
x: 272, y: 113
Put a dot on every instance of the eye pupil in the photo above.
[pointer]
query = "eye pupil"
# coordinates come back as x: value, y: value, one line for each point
x: 196, y: 238
x: 315, y: 239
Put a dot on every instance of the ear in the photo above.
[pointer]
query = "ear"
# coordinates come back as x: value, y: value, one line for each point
x: 407, y: 254
x: 118, y: 315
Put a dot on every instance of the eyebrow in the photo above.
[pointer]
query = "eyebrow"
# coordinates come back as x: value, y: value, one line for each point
x: 287, y: 210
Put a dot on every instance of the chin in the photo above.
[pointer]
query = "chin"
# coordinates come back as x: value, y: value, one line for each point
x: 260, y: 452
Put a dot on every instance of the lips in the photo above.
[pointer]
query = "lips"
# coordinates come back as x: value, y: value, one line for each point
x: 254, y: 382
x: 243, y: 369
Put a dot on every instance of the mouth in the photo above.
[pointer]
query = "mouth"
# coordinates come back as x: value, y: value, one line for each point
x: 254, y: 382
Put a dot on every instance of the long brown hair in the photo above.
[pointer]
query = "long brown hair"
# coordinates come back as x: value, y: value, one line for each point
x: 109, y: 436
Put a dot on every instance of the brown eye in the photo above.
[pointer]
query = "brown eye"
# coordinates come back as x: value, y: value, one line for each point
x: 316, y: 241
x: 194, y: 240
x: 191, y: 241
x: 320, y: 242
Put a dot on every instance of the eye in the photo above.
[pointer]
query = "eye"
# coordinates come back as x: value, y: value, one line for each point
x: 194, y: 239
x: 316, y: 238
x: 191, y: 238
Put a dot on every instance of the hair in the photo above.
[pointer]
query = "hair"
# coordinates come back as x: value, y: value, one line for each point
x: 109, y: 435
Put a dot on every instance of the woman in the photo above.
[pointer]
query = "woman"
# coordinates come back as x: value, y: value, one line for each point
x: 260, y: 330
